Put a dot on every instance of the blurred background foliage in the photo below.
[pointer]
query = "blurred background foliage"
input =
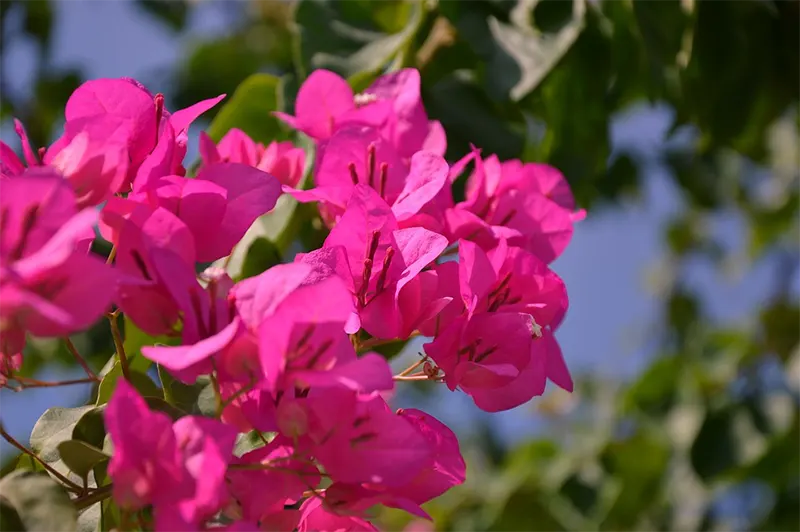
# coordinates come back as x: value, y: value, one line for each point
x: 706, y: 437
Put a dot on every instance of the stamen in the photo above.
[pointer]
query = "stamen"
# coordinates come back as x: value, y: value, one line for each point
x: 41, y: 151
x: 353, y: 173
x: 319, y: 352
x: 387, y: 260
x: 383, y: 176
x: 306, y: 336
x: 137, y: 258
x: 159, y: 101
x: 485, y: 354
x: 367, y: 436
x: 508, y: 217
x: 373, y: 245
x: 371, y: 163
x: 28, y: 221
x: 195, y: 301
x: 365, y: 276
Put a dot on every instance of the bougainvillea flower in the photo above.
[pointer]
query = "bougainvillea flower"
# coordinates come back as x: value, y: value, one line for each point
x: 358, y: 439
x: 206, y: 447
x: 262, y: 492
x: 140, y: 234
x: 49, y: 284
x: 96, y: 160
x: 358, y: 155
x: 128, y: 101
x: 315, y: 517
x: 325, y: 103
x: 381, y: 258
x: 10, y: 164
x: 507, y: 279
x: 407, y: 128
x: 528, y: 204
x: 147, y: 465
x: 444, y: 469
x: 178, y: 468
x: 218, y: 206
x: 500, y: 359
x: 283, y: 160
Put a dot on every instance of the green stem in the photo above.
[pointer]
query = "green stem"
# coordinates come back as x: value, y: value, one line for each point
x: 123, y: 359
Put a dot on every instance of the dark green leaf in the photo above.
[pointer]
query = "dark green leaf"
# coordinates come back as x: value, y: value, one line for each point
x: 142, y: 382
x: 40, y: 502
x: 261, y: 256
x: 160, y: 405
x: 91, y: 427
x: 9, y: 518
x: 135, y: 339
x: 178, y: 394
x: 172, y: 13
x: 250, y: 108
x: 470, y: 117
x: 39, y: 20
x: 80, y: 457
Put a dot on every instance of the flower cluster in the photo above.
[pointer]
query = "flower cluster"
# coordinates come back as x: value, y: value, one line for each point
x: 288, y: 350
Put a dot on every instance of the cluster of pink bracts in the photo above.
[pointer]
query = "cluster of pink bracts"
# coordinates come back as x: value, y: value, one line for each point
x: 286, y: 347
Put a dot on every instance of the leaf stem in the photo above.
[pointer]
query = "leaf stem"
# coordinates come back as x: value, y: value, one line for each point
x: 100, y: 494
x: 123, y: 359
x: 71, y: 348
x: 67, y: 482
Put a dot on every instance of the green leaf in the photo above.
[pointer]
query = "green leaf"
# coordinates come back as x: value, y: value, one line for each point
x: 9, y: 518
x: 39, y: 501
x: 261, y: 255
x: 135, y: 339
x: 639, y: 464
x: 781, y: 334
x: 160, y: 405
x: 726, y: 440
x: 91, y: 427
x: 250, y: 442
x: 534, y: 54
x: 344, y: 40
x: 469, y: 116
x: 655, y: 391
x: 178, y: 394
x: 80, y: 457
x: 250, y: 108
x: 390, y: 350
x: 142, y: 382
x: 55, y: 426
x: 173, y: 14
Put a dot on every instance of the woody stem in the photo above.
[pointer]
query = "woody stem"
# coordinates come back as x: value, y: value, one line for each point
x: 71, y: 348
x: 412, y: 367
x: 33, y: 383
x: 67, y: 482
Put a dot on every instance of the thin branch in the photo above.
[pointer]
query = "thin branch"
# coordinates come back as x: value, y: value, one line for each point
x: 71, y: 347
x: 33, y: 383
x: 67, y: 482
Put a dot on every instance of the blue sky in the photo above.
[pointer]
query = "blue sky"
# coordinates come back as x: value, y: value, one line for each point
x: 605, y: 268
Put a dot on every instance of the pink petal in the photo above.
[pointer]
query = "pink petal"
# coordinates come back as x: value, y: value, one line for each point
x: 427, y: 176
x: 181, y: 120
x: 322, y: 98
